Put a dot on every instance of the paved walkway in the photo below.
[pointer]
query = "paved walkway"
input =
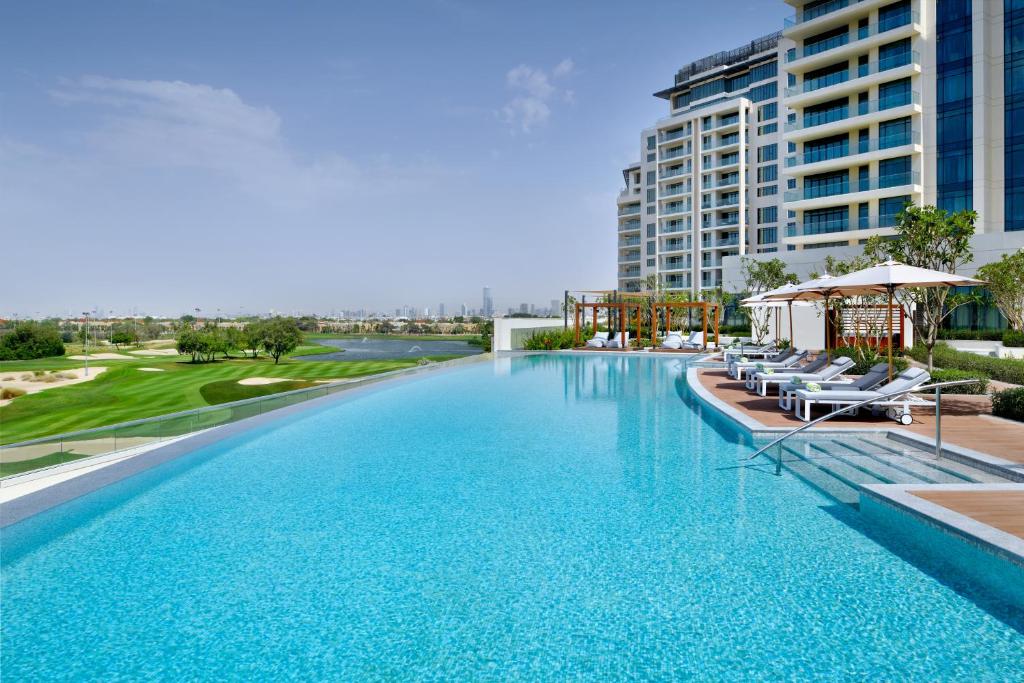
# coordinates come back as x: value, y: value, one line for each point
x: 966, y: 420
x: 1003, y: 510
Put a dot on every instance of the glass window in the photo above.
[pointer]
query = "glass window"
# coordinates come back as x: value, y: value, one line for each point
x: 893, y: 16
x: 833, y: 219
x: 889, y: 208
x: 650, y: 177
x: 893, y: 172
x: 768, y: 152
x: 768, y: 111
x: 650, y: 230
x: 894, y: 133
x: 892, y: 55
x: 894, y: 94
x: 652, y: 142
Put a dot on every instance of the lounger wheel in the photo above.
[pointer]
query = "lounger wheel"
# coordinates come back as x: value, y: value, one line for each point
x: 906, y: 419
x: 890, y: 413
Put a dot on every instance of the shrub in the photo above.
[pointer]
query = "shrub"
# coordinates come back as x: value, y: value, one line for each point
x: 1013, y: 338
x: 550, y: 340
x: 31, y: 340
x: 986, y: 335
x: 939, y: 375
x: 1009, y: 403
x: 1000, y: 369
x: 864, y: 357
x: 11, y: 392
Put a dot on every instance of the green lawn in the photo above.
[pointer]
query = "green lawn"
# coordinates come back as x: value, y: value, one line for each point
x: 124, y: 392
x: 407, y: 337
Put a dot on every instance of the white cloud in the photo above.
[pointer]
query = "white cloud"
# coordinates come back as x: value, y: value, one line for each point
x: 534, y: 89
x: 154, y: 124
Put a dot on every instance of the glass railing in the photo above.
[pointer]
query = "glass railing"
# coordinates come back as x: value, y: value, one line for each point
x: 862, y: 32
x: 860, y: 147
x: 629, y: 257
x: 126, y: 437
x: 842, y: 225
x: 725, y: 142
x: 677, y: 283
x: 629, y: 226
x: 860, y: 71
x: 677, y: 265
x: 727, y: 120
x: 859, y: 109
x: 675, y: 153
x: 677, y: 207
x: 671, y: 228
x: 730, y: 160
x: 629, y: 272
x: 629, y: 210
x: 733, y: 179
x: 676, y: 190
x: 846, y: 186
x: 629, y: 242
x: 675, y: 135
x: 815, y: 12
x: 677, y: 245
x: 673, y: 172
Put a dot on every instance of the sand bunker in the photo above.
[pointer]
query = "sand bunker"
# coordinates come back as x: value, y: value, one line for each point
x: 155, y: 352
x: 151, y: 369
x: 101, y: 356
x: 32, y: 383
x: 250, y: 381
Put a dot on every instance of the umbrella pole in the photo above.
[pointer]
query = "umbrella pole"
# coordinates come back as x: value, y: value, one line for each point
x: 890, y: 331
x: 792, y: 342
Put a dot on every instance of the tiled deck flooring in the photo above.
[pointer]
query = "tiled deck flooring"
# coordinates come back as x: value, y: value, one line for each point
x: 964, y: 419
x: 1003, y: 510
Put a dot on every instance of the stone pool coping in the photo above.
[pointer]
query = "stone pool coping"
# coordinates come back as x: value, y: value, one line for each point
x: 109, y: 468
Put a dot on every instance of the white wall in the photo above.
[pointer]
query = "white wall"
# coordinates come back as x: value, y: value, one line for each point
x: 503, y: 329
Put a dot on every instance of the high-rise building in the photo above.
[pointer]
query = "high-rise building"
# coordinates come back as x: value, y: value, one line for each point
x: 488, y: 307
x: 464, y: 311
x: 817, y: 136
x: 440, y: 310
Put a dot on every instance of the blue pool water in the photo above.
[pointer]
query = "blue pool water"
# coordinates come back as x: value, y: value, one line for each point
x: 535, y: 518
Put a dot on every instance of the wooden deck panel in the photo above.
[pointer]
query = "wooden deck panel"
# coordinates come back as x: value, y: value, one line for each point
x: 1003, y: 510
x: 965, y: 419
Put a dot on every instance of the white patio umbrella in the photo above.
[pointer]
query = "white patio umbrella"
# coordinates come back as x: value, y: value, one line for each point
x: 889, y: 276
x: 813, y: 290
x: 762, y: 300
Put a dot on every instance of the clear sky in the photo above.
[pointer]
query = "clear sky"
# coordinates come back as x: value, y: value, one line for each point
x: 160, y: 156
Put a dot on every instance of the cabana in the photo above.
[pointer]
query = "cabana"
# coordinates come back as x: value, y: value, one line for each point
x: 668, y: 307
x: 622, y: 307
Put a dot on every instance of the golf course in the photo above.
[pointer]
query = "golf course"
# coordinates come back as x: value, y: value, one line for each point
x: 134, y: 386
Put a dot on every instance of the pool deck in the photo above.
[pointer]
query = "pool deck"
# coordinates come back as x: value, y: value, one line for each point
x: 1002, y: 509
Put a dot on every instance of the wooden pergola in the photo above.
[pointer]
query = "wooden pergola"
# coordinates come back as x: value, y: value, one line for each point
x: 704, y: 306
x: 623, y: 307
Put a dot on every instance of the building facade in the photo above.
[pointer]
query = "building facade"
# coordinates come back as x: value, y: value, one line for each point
x: 816, y: 137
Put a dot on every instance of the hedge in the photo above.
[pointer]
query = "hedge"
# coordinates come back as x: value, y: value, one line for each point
x: 1000, y: 369
x: 1013, y: 338
x: 939, y: 375
x: 1009, y: 403
x: 986, y: 335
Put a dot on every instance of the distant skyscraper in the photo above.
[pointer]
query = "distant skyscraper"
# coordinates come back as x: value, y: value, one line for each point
x: 556, y: 307
x: 464, y: 310
x: 488, y: 308
x: 440, y: 310
x: 524, y: 308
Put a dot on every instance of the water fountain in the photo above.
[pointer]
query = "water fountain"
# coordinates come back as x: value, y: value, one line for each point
x: 414, y: 349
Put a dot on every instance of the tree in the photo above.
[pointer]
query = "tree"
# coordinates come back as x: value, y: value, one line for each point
x: 928, y: 237
x: 1005, y: 279
x: 253, y: 337
x: 233, y: 340
x: 125, y: 337
x: 188, y: 341
x: 761, y: 276
x: 282, y: 336
x: 31, y: 340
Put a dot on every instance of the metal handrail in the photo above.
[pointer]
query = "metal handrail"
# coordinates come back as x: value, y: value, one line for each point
x: 937, y: 386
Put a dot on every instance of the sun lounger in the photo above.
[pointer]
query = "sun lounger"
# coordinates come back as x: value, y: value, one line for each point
x: 760, y: 381
x: 869, y: 380
x: 599, y: 341
x: 895, y: 397
x: 738, y: 368
x: 620, y: 341
x: 763, y: 351
x: 674, y: 340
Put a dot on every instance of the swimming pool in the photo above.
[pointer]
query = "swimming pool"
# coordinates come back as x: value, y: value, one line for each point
x: 538, y: 517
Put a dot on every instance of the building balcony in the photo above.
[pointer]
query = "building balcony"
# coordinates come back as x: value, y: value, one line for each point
x: 722, y: 122
x: 856, y: 116
x: 861, y: 152
x: 629, y: 242
x: 629, y: 210
x: 630, y: 257
x: 675, y: 172
x: 720, y: 204
x: 676, y: 190
x: 674, y: 245
x: 632, y: 271
x: 841, y: 230
x: 855, y: 78
x: 676, y: 207
x: 848, y: 192
x: 676, y: 283
x: 675, y: 266
x: 828, y: 15
x: 678, y: 134
x: 729, y: 181
x: 856, y: 41
x: 731, y: 141
x: 673, y: 228
x: 721, y: 223
x: 676, y: 152
x: 728, y: 162
x: 629, y: 226
x: 628, y: 195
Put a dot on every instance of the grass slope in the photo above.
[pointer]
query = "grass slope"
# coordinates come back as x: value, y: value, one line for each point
x: 124, y: 392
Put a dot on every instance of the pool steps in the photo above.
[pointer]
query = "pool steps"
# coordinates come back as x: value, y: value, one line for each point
x: 841, y: 466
